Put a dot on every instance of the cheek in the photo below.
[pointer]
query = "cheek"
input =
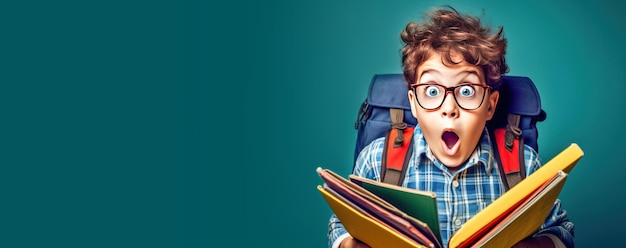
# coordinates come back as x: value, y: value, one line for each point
x: 474, y: 127
x: 424, y: 118
x: 429, y: 124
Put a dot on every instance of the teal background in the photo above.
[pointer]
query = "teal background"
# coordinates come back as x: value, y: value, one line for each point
x: 191, y: 123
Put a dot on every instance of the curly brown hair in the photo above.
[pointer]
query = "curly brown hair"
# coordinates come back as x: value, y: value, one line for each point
x: 448, y: 32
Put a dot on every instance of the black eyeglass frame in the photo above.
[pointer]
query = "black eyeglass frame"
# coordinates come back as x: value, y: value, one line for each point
x: 451, y: 89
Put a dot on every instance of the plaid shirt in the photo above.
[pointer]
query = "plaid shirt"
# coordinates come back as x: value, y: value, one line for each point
x: 460, y: 195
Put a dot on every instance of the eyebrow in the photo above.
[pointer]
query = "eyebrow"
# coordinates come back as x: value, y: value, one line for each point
x: 467, y: 72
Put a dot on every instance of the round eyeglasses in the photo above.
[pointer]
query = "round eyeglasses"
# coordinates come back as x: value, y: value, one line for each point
x: 467, y: 96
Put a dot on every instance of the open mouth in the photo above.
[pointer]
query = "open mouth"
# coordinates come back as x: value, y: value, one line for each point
x: 450, y: 138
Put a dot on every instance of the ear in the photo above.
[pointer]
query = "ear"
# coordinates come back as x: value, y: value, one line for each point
x: 494, y: 96
x: 413, y: 103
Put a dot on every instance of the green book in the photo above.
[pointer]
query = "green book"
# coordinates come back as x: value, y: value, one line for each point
x: 421, y: 205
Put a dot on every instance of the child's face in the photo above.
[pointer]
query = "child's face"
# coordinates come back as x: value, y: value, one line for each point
x: 451, y: 131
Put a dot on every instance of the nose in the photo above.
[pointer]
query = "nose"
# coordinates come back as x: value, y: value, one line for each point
x: 449, y: 108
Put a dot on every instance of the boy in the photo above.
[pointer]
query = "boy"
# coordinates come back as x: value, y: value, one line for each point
x: 453, y: 66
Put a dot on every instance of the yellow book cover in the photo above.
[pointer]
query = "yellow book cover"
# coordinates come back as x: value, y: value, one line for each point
x: 363, y: 227
x: 483, y: 221
x: 526, y: 219
x: 375, y: 208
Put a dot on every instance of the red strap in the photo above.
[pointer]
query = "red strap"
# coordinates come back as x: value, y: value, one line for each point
x: 397, y: 155
x: 510, y: 159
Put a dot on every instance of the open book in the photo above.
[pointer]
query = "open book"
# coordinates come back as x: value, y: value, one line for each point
x: 384, y: 215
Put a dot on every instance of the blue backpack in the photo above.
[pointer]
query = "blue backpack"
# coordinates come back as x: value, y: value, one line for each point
x: 386, y: 113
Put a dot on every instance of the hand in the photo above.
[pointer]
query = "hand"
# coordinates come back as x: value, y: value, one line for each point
x: 539, y: 241
x: 351, y: 242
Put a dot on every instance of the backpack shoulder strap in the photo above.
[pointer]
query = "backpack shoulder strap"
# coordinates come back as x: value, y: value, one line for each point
x: 397, y: 150
x: 508, y: 144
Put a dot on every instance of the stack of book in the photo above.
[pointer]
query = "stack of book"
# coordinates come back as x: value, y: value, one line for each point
x: 385, y: 215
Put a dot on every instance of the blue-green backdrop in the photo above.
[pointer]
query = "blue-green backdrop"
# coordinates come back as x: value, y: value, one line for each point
x: 192, y: 123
